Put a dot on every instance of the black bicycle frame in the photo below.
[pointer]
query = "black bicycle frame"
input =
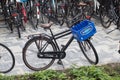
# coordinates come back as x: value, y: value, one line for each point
x: 58, y: 36
x: 60, y: 53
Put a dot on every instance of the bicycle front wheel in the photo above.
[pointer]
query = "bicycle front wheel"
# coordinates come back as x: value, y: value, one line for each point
x: 33, y: 49
x: 33, y: 15
x: 89, y: 51
x: 7, y: 60
x: 104, y: 18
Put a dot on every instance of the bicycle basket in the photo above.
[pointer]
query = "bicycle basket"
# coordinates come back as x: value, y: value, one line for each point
x: 83, y: 30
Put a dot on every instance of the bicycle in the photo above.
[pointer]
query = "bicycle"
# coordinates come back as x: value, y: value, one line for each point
x: 52, y: 10
x: 16, y: 18
x: 13, y: 16
x: 109, y: 12
x: 7, y: 59
x: 41, y: 50
x: 33, y: 12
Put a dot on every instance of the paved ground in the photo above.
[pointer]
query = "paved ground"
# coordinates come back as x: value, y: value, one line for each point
x: 106, y: 45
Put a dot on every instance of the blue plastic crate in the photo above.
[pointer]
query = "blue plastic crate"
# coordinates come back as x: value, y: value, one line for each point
x: 83, y: 30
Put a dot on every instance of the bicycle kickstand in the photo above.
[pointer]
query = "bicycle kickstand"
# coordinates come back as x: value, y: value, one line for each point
x: 112, y: 30
x: 60, y: 63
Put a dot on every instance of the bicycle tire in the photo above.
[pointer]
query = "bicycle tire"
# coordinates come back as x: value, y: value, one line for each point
x: 72, y: 10
x: 33, y: 15
x: 43, y: 18
x: 22, y: 16
x: 7, y: 59
x: 44, y: 13
x: 35, y: 62
x: 61, y: 11
x: 104, y: 18
x: 6, y: 15
x: 22, y: 25
x: 84, y: 45
x: 118, y: 24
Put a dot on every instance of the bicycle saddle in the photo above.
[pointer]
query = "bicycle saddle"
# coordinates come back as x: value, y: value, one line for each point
x: 82, y: 4
x: 47, y: 25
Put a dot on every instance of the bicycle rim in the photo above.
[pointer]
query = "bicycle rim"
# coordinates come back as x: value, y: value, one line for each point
x: 32, y: 50
x: 7, y: 60
x: 89, y: 51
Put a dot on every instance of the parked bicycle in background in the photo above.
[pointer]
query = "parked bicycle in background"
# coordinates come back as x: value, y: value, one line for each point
x: 110, y: 13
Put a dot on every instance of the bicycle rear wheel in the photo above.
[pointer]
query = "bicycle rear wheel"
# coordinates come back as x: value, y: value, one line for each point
x: 33, y: 49
x: 89, y: 51
x: 7, y: 60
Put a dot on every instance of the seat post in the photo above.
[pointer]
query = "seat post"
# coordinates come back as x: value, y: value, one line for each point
x: 51, y: 32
